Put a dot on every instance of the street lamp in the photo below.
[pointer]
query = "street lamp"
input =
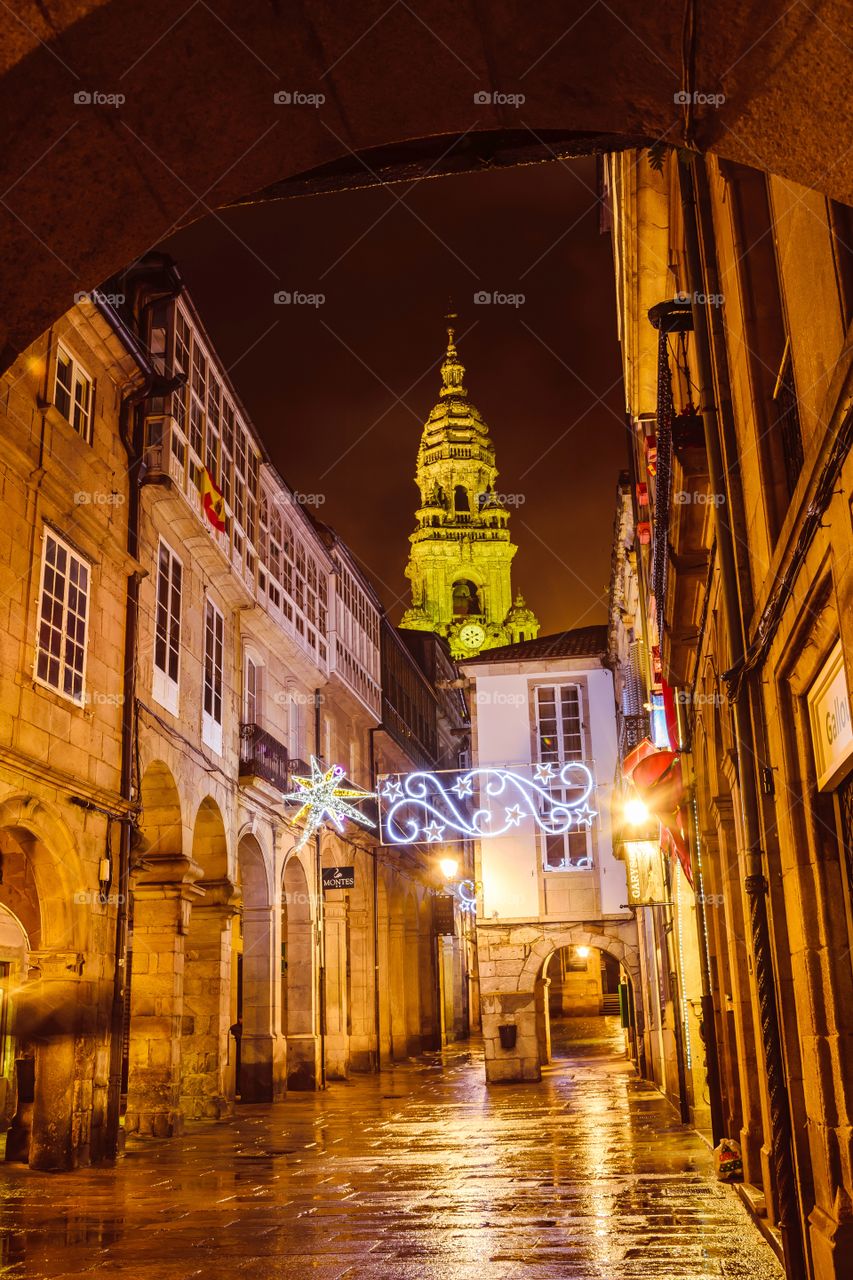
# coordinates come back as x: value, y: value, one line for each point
x: 448, y: 867
x: 582, y: 952
x: 635, y: 812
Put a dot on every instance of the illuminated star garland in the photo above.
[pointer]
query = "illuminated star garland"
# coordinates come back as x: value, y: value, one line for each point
x: 322, y: 797
x: 424, y: 807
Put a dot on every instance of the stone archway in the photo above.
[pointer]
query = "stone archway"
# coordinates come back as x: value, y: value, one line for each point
x: 229, y: 100
x: 511, y: 964
x: 207, y: 970
x: 60, y: 1003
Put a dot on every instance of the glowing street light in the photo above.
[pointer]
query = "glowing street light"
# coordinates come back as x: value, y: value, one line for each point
x: 582, y: 952
x: 448, y: 867
x: 635, y: 812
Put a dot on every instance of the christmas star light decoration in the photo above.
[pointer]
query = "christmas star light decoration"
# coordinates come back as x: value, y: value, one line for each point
x: 544, y: 771
x: 322, y: 797
x: 514, y: 815
x: 392, y: 789
x: 463, y: 786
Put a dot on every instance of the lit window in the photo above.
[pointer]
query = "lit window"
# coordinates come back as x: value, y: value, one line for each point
x: 214, y: 630
x: 63, y: 617
x: 73, y: 394
x: 167, y: 629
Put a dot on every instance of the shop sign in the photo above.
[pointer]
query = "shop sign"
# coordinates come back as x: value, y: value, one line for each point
x: 338, y: 877
x: 829, y: 712
x: 644, y: 872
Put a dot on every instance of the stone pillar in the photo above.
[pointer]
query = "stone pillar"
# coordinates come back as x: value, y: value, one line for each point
x: 207, y: 1002
x: 362, y: 1048
x: 397, y: 975
x: 58, y: 1011
x: 448, y: 990
x: 413, y: 993
x: 263, y: 1050
x: 160, y: 923
x: 384, y: 976
x: 303, y: 1042
x: 543, y: 1019
x: 337, y: 1012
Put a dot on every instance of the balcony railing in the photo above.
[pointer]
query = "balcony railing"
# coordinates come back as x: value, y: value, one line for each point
x: 262, y: 756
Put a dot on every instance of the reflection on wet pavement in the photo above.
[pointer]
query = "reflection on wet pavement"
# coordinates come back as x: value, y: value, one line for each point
x: 419, y: 1172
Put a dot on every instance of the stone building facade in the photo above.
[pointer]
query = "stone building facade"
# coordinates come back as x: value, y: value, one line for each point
x: 735, y: 296
x: 64, y: 568
x: 183, y: 637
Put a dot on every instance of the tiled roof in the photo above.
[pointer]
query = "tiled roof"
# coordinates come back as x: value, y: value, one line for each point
x: 583, y: 642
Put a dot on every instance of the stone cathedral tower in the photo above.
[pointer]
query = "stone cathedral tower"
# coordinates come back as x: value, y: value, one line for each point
x: 459, y: 565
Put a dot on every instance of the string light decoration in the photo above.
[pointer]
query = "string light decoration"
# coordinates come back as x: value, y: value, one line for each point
x: 322, y: 797
x: 422, y: 808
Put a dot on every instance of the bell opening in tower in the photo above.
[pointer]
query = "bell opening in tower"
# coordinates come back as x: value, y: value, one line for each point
x: 466, y: 600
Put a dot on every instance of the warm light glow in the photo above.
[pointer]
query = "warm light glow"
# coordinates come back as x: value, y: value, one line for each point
x: 636, y: 812
x: 36, y: 365
x: 449, y: 867
x: 582, y: 952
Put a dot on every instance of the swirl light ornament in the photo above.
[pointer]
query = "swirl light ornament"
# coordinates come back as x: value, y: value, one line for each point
x: 322, y: 796
x: 484, y: 803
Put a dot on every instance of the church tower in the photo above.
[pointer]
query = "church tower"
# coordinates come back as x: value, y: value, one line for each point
x: 459, y: 564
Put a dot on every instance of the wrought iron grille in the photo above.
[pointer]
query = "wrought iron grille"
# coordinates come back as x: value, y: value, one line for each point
x: 262, y: 756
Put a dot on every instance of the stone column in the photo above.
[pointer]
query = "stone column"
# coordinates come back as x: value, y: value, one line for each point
x: 303, y: 1042
x: 362, y: 1010
x: 448, y: 988
x: 58, y: 1011
x: 543, y: 1019
x: 263, y: 1050
x: 160, y: 924
x: 337, y: 1013
x: 413, y: 993
x: 397, y: 962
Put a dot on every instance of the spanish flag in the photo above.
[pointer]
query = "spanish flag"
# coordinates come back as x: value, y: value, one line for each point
x: 212, y: 501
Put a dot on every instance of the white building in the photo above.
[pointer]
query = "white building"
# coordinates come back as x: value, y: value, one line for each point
x: 544, y: 711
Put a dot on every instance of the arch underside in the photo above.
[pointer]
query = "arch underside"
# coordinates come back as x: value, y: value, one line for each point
x: 404, y: 96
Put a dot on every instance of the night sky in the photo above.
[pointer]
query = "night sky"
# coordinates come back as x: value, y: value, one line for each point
x: 339, y: 392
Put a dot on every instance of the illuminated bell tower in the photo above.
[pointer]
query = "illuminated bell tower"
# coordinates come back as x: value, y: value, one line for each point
x: 459, y: 564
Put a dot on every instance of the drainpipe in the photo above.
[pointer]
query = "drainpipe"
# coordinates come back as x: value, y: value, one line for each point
x: 377, y: 1066
x: 755, y: 882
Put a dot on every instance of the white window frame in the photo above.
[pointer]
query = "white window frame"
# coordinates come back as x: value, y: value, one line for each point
x: 166, y: 689
x: 558, y: 705
x: 251, y: 715
x: 81, y: 422
x: 211, y: 726
x: 78, y: 696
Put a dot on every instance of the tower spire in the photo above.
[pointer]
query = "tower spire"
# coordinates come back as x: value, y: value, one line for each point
x: 452, y: 368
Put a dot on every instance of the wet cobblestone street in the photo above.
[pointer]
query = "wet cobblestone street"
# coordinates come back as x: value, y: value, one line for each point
x: 421, y: 1172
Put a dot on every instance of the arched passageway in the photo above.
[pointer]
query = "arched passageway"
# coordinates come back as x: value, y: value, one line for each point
x: 49, y: 1006
x: 224, y: 101
x: 584, y: 1006
x: 256, y: 1045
